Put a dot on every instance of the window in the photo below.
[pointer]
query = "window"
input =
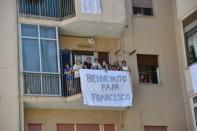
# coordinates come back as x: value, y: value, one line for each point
x: 40, y: 59
x: 155, y: 128
x: 65, y: 127
x: 194, y: 110
x: 191, y: 46
x: 142, y: 7
x: 91, y: 6
x: 148, y: 68
x: 34, y: 127
x: 87, y: 127
x: 109, y: 127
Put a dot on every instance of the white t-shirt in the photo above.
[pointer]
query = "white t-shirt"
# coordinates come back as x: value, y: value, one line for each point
x: 77, y: 68
x: 125, y: 68
x: 96, y: 66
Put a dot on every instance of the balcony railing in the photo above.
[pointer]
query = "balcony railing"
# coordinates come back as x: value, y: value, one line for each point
x: 47, y: 9
x: 50, y: 84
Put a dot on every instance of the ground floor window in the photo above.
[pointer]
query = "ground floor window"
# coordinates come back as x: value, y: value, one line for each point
x: 65, y: 127
x: 35, y: 127
x: 155, y: 128
x: 148, y: 68
x: 85, y: 127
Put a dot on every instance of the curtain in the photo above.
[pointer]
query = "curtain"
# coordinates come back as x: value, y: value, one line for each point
x: 193, y: 71
x: 142, y: 3
x: 29, y: 30
x: 195, y: 43
x: 49, y: 56
x: 47, y: 32
x: 91, y: 6
x: 31, y: 59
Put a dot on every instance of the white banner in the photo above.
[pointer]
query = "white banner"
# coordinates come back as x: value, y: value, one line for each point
x: 106, y: 88
x: 193, y: 70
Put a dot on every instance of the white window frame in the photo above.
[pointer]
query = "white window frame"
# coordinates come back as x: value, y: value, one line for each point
x: 157, y: 70
x: 193, y: 105
x: 39, y: 42
x: 142, y: 14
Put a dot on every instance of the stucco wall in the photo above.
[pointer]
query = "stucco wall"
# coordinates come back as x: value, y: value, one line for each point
x: 185, y: 7
x: 182, y: 9
x: 113, y: 11
x: 9, y: 108
x: 110, y: 45
x: 156, y: 105
x: 49, y: 118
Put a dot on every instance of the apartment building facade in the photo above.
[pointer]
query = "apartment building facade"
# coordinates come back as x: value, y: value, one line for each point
x: 185, y: 25
x: 40, y: 36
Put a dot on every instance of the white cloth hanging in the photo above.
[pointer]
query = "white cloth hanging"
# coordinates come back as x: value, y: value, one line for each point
x: 91, y: 6
x: 193, y: 71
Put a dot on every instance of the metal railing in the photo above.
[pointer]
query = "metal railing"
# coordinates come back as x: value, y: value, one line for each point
x: 41, y: 84
x: 47, y: 9
x: 49, y: 84
x: 70, y: 85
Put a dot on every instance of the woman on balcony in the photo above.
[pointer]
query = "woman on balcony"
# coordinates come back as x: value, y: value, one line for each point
x: 77, y: 66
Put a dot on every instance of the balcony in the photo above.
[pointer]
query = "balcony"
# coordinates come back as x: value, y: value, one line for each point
x: 39, y: 89
x: 47, y: 9
x: 37, y: 84
x: 108, y: 21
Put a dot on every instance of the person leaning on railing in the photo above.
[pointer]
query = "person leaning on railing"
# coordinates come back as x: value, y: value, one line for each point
x: 68, y: 75
x: 96, y: 65
x: 77, y: 66
x: 125, y: 67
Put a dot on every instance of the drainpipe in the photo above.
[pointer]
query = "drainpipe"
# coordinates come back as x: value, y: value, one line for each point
x: 21, y: 128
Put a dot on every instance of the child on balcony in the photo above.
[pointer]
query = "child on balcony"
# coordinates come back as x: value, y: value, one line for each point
x: 68, y: 76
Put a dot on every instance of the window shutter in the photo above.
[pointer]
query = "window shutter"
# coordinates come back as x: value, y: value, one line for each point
x: 34, y: 127
x: 147, y: 60
x: 87, y: 127
x: 155, y: 128
x: 109, y: 127
x: 65, y: 127
x: 142, y: 3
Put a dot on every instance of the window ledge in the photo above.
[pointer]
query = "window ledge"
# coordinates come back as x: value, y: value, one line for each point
x: 149, y: 85
x: 145, y: 16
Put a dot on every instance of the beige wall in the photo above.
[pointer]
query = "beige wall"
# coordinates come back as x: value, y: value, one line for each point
x: 110, y: 45
x: 113, y: 11
x: 156, y: 105
x: 49, y: 118
x: 9, y: 107
x: 185, y: 7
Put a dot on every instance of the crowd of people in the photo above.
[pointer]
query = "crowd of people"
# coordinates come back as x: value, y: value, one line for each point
x: 95, y: 65
x: 72, y: 76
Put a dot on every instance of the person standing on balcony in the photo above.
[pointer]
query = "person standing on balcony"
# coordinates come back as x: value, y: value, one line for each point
x: 125, y: 67
x: 96, y: 64
x: 68, y: 76
x: 77, y: 66
x: 104, y: 65
x: 87, y: 63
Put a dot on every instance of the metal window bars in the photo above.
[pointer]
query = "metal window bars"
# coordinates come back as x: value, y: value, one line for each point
x: 41, y: 84
x: 47, y: 9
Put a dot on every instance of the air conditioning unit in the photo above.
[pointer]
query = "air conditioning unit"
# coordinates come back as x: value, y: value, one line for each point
x: 91, y: 42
